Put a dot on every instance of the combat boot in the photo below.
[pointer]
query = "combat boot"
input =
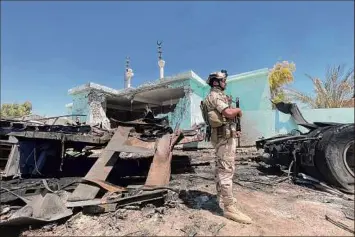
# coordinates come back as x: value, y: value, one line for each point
x: 232, y: 213
x: 220, y: 202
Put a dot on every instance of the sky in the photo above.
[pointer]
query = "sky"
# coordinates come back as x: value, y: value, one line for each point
x: 50, y: 47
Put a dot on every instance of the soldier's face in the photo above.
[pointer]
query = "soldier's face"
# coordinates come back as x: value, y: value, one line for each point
x: 224, y: 83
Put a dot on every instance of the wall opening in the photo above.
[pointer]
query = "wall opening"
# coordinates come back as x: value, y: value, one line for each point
x: 161, y: 101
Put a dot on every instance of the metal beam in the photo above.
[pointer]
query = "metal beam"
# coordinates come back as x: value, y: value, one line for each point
x: 155, y: 104
x: 102, y: 167
x: 118, y: 107
x: 168, y: 102
x: 123, y: 108
x: 146, y: 100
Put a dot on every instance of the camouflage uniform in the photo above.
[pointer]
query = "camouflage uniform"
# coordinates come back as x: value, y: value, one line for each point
x: 225, y: 146
x: 224, y: 140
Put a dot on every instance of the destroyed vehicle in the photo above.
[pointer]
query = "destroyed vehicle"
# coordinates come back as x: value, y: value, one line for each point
x: 36, y: 149
x: 325, y: 152
x: 56, y: 164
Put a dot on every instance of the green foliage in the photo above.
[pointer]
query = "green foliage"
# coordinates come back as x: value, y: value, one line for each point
x: 15, y: 110
x: 333, y: 92
x: 279, y: 76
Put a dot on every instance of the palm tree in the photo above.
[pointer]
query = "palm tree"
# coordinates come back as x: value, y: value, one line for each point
x: 333, y: 92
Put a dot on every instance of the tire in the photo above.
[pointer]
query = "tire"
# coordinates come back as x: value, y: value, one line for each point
x: 313, y: 170
x: 329, y: 158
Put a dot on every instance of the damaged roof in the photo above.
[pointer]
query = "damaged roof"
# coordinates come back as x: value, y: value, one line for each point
x: 146, y: 86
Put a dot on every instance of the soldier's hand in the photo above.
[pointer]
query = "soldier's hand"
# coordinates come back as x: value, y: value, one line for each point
x: 239, y: 133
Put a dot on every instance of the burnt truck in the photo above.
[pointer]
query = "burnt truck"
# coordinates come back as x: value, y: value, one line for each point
x: 324, y: 152
x: 48, y: 170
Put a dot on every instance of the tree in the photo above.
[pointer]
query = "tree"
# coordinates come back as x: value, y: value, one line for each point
x: 334, y: 92
x: 279, y: 76
x: 16, y: 110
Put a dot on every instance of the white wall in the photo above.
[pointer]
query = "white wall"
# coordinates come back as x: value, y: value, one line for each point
x: 196, y: 115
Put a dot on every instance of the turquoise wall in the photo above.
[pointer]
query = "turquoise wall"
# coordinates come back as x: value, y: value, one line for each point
x: 284, y: 123
x: 267, y: 123
x: 199, y: 92
x: 182, y: 112
x: 81, y: 105
x: 252, y: 90
x: 69, y: 110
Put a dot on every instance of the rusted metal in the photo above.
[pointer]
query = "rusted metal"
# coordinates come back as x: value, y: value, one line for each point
x: 106, y: 185
x: 158, y: 175
x: 41, y: 209
x: 145, y: 135
x: 100, y: 208
x: 71, y: 133
x: 198, y: 137
x: 160, y: 169
x: 102, y: 167
x: 139, y: 199
x: 59, y: 136
x: 133, y: 141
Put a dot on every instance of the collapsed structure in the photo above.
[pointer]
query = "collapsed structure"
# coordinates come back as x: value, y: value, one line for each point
x: 80, y: 158
x: 177, y: 97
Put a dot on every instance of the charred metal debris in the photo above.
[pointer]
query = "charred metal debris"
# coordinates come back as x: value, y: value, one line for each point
x: 324, y: 152
x: 47, y: 171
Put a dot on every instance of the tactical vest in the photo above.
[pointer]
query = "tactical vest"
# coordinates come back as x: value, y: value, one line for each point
x: 211, y: 116
x: 222, y: 126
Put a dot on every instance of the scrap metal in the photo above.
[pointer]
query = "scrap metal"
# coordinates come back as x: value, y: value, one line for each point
x: 142, y: 136
x: 102, y: 167
x: 305, y: 152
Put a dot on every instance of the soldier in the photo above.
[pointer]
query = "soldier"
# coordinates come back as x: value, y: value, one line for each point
x: 221, y: 119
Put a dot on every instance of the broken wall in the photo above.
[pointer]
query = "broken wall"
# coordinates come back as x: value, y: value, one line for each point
x: 199, y: 92
x: 97, y: 109
x: 91, y: 104
x: 182, y: 113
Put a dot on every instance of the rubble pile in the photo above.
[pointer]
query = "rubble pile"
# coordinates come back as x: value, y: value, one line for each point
x: 189, y: 206
x: 41, y: 185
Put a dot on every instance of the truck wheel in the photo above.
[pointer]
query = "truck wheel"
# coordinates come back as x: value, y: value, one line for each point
x: 335, y: 158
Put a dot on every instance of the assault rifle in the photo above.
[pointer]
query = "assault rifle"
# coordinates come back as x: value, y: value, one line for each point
x: 239, y: 128
x: 236, y: 120
x: 205, y: 118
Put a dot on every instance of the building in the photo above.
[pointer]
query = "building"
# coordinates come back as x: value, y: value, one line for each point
x: 177, y: 97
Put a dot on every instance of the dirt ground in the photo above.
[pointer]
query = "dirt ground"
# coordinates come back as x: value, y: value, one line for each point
x: 276, y: 206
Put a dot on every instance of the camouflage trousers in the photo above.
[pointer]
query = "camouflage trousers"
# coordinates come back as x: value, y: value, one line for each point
x: 225, y: 167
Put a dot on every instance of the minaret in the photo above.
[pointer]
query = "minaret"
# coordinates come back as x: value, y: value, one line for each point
x: 128, y: 74
x: 161, y: 62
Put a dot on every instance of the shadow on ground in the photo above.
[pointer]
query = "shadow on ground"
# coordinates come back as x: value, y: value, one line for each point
x: 13, y: 231
x: 271, y: 170
x: 196, y: 199
x: 17, y: 230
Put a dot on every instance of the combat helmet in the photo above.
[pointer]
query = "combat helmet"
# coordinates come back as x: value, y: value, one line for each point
x: 223, y: 74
